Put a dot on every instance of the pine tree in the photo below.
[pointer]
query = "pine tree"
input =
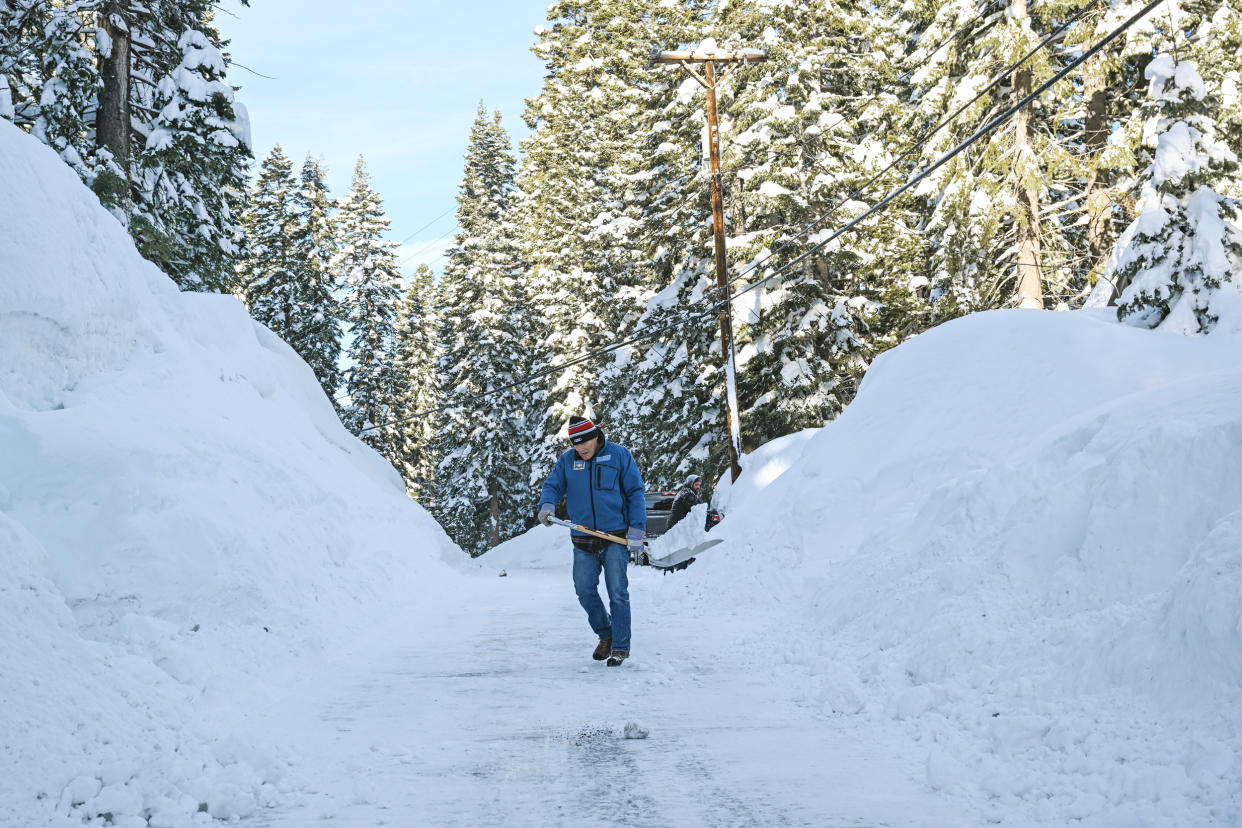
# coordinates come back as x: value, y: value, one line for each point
x: 482, y: 478
x: 49, y: 72
x: 797, y: 151
x: 192, y: 167
x: 272, y: 285
x: 373, y: 295
x: 1093, y: 161
x: 669, y: 409
x: 70, y: 87
x: 614, y: 210
x: 1180, y: 257
x: 574, y: 281
x: 664, y: 392
x: 1214, y: 43
x: 133, y: 96
x: 316, y: 333
x: 417, y: 338
x: 967, y: 206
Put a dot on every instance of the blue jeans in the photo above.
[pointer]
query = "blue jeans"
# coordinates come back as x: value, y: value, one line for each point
x: 587, y: 566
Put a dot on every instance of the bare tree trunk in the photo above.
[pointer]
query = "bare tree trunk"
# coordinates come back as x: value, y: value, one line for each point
x: 1026, y: 189
x: 112, y: 126
x: 493, y: 526
x: 1096, y: 195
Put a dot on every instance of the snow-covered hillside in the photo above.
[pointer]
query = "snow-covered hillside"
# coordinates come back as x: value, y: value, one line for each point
x: 181, y: 515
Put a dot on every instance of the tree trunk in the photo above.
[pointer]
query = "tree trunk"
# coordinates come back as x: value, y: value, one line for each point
x: 1096, y: 195
x: 112, y: 126
x: 493, y: 524
x: 1026, y: 189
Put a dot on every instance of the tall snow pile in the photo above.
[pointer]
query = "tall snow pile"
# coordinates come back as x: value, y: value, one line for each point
x: 1022, y: 542
x: 181, y: 517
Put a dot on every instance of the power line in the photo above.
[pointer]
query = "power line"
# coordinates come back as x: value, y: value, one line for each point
x: 428, y: 224
x: 715, y: 307
x: 944, y: 159
x: 428, y: 246
x: 926, y: 136
x: 801, y: 144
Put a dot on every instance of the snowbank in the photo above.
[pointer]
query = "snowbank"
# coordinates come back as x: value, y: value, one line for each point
x: 181, y: 517
x: 539, y: 547
x: 760, y: 469
x: 1023, y: 540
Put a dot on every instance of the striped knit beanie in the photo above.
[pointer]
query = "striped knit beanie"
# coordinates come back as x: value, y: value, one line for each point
x: 581, y: 429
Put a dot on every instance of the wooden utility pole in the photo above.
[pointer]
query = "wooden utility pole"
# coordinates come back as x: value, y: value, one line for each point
x: 1026, y: 192
x: 708, y: 80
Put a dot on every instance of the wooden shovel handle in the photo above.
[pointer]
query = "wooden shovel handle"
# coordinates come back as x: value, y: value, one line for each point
x: 603, y: 535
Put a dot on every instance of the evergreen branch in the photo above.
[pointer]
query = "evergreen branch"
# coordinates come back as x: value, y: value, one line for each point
x: 982, y: 131
x: 922, y: 140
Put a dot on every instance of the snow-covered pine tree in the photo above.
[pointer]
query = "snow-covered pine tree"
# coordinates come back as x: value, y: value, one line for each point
x: 611, y: 230
x: 418, y: 344
x: 482, y: 481
x: 981, y: 217
x: 45, y: 51
x: 799, y: 154
x: 1179, y: 260
x: 530, y: 330
x: 1086, y: 182
x: 133, y: 96
x: 191, y: 170
x: 316, y: 332
x: 50, y: 78
x: 1214, y: 43
x: 1113, y: 88
x: 664, y: 392
x: 667, y: 393
x: 373, y: 294
x: 270, y: 269
x: 574, y: 275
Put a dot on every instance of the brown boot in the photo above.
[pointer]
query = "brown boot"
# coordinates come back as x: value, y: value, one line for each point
x: 601, y: 652
x: 617, y: 656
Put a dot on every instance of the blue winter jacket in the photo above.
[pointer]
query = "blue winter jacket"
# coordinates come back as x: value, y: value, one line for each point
x: 605, y: 493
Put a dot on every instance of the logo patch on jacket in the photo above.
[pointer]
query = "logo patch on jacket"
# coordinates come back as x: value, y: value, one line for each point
x: 604, y: 457
x: 579, y: 465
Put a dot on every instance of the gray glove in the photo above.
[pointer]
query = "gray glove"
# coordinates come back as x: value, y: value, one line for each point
x: 634, y: 538
x: 545, y: 512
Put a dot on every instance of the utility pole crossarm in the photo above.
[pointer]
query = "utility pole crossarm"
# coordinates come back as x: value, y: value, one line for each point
x: 704, y: 55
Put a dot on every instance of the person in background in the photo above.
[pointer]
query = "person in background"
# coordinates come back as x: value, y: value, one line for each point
x: 604, y: 491
x: 687, y: 498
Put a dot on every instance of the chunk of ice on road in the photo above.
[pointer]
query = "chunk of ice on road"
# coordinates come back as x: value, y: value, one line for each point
x: 633, y: 730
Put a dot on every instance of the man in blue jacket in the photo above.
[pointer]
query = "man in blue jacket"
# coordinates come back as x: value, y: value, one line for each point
x: 604, y: 491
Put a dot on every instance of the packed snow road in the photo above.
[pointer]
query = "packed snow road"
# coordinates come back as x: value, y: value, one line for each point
x: 493, y: 713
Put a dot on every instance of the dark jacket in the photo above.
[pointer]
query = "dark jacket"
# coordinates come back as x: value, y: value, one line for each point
x: 605, y: 493
x: 687, y: 498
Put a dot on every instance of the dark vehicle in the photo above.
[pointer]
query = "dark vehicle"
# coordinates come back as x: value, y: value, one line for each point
x: 660, y: 505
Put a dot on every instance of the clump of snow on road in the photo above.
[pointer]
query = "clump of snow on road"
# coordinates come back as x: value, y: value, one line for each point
x: 181, y: 516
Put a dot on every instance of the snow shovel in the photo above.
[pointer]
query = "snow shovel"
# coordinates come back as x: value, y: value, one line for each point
x: 669, y: 561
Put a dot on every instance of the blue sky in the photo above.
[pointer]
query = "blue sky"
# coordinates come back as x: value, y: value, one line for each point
x: 397, y: 82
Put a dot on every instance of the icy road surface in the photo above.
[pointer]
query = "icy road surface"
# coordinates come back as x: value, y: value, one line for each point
x: 495, y: 714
